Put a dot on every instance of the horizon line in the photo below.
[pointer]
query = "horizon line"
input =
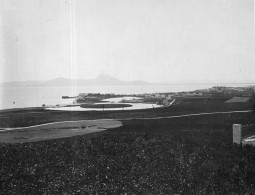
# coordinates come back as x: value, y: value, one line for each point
x: 146, y: 82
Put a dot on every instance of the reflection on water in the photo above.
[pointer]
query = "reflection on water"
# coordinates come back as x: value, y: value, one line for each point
x: 135, y: 106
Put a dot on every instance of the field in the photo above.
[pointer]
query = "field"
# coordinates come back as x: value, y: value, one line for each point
x: 237, y: 99
x: 55, y: 130
x: 187, y: 155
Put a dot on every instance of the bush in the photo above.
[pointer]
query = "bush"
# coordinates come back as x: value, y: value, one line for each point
x: 252, y: 103
x: 126, y: 163
x: 252, y: 107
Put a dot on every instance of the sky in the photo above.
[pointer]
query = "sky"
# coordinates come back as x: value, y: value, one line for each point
x: 173, y: 41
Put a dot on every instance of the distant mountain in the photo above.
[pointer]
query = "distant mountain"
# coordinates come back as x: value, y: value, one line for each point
x: 57, y: 82
x: 101, y: 80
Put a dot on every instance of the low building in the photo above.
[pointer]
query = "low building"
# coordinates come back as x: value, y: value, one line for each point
x: 162, y: 95
x: 169, y: 97
x: 157, y: 95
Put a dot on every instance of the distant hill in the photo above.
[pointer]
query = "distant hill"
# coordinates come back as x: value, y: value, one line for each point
x: 101, y: 80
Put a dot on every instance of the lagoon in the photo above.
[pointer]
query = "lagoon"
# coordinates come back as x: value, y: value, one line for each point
x: 117, y: 100
x: 135, y: 106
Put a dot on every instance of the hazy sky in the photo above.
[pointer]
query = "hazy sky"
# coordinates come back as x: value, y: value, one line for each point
x: 154, y: 40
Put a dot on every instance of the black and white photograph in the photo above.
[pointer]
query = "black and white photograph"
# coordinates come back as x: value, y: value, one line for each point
x: 139, y: 97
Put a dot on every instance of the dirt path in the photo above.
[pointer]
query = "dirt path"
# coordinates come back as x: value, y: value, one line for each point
x: 55, y: 130
x: 187, y: 115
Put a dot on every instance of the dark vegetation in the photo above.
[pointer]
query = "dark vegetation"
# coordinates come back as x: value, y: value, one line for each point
x: 249, y: 128
x: 252, y: 107
x: 189, y: 155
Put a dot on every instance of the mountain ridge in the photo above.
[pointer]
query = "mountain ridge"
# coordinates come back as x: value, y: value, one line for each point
x: 101, y: 80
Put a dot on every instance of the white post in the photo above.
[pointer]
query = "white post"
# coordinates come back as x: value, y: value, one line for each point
x: 237, y: 133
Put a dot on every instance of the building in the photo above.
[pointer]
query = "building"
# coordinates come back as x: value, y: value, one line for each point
x: 162, y: 95
x: 169, y: 97
x: 165, y: 102
x: 157, y: 95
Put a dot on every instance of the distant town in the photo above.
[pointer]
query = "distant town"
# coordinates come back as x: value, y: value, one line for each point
x: 165, y: 99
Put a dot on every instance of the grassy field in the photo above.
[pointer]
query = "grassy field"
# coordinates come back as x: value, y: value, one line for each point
x: 189, y: 155
x: 55, y: 130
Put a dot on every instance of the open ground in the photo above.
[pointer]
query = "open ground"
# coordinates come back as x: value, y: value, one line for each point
x: 55, y: 130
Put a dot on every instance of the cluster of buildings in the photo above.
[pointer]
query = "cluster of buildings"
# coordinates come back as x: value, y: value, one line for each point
x: 159, y: 98
x: 167, y: 98
x: 218, y: 91
x: 229, y: 91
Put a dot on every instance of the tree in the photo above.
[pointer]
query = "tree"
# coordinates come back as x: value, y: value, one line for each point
x: 252, y: 107
x: 252, y: 103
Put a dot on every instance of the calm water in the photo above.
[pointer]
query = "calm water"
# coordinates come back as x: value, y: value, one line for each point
x: 135, y: 106
x: 32, y: 96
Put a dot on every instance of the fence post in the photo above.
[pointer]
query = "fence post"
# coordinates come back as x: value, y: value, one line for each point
x: 237, y: 133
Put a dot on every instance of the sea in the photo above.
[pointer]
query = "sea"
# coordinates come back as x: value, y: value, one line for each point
x: 21, y: 97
